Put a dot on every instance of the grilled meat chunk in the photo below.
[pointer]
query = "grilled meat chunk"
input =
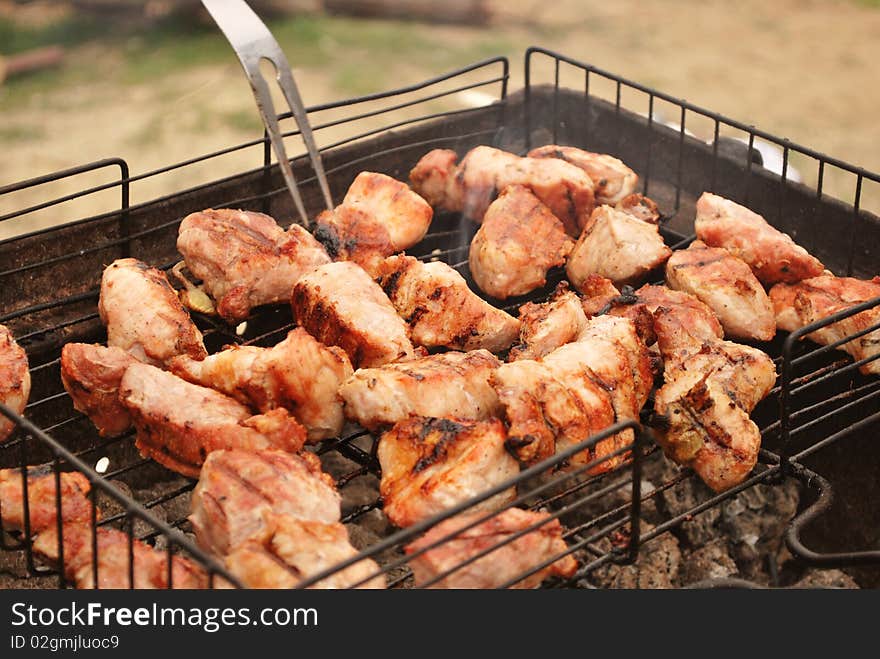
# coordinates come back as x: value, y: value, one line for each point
x: 772, y: 255
x: 620, y: 362
x: 686, y: 322
x: 144, y: 316
x: 378, y: 217
x: 91, y: 374
x: 431, y: 464
x: 299, y: 374
x: 546, y: 326
x: 705, y: 405
x: 798, y: 305
x: 440, y: 308
x: 509, y: 558
x: 613, y: 179
x: 547, y: 414
x: 245, y: 259
x: 484, y: 172
x: 351, y: 234
x: 601, y: 297
x: 518, y: 242
x: 148, y: 566
x: 42, y: 502
x: 576, y: 391
x: 640, y: 207
x: 15, y: 379
x: 727, y: 286
x: 618, y: 246
x: 292, y: 549
x: 707, y: 431
x: 599, y: 294
x: 237, y: 488
x: 178, y: 424
x: 340, y: 305
x: 404, y: 213
x: 450, y: 384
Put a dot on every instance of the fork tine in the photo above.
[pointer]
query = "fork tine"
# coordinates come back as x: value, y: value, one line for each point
x: 252, y: 42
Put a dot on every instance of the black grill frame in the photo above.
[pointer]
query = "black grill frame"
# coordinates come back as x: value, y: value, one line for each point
x: 513, y: 122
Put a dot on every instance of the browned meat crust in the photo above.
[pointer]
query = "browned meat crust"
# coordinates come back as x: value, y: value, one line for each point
x: 430, y: 465
x: 440, y: 308
x: 15, y: 379
x: 509, y: 557
x: 144, y: 316
x: 91, y: 374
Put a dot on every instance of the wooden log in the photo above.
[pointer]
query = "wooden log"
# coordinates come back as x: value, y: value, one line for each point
x: 470, y: 12
x: 31, y: 60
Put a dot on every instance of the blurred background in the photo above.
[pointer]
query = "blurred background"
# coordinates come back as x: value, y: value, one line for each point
x: 154, y: 81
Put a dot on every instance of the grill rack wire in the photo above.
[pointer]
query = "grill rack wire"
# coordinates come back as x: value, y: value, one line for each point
x: 797, y: 420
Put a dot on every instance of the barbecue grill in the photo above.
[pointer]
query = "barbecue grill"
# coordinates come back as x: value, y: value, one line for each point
x: 817, y: 424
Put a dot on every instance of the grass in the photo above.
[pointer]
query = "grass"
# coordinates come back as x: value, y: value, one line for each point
x: 71, y: 31
x: 357, y: 56
x: 20, y: 133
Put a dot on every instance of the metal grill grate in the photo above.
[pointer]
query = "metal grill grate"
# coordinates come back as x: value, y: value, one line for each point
x: 48, y: 291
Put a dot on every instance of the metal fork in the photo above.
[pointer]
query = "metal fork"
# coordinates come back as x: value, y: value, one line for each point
x: 252, y: 42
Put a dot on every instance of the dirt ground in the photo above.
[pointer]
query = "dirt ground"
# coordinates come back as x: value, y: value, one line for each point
x: 805, y: 69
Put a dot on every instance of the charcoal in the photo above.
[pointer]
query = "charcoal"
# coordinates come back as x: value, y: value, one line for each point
x: 755, y: 521
x: 700, y: 529
x: 657, y: 566
x: 826, y: 579
x: 711, y: 561
x: 359, y: 491
x: 375, y: 522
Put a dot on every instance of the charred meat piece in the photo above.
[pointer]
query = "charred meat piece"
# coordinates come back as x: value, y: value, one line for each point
x: 351, y: 234
x: 150, y: 566
x: 42, y: 502
x: 798, y: 305
x: 518, y: 242
x: 378, y: 217
x: 640, y: 207
x: 620, y: 362
x: 727, y: 286
x: 601, y: 297
x: 440, y: 308
x: 546, y: 326
x: 144, y: 316
x: 340, y: 305
x: 178, y: 424
x: 245, y: 259
x: 15, y: 379
x: 509, y: 557
x: 618, y: 246
x: 299, y: 374
x: 772, y: 255
x: 91, y: 374
x: 705, y: 405
x: 401, y: 211
x: 576, y: 391
x: 431, y: 464
x: 484, y: 172
x: 599, y: 294
x: 707, y: 431
x: 547, y: 414
x: 450, y: 384
x: 687, y: 321
x: 291, y: 550
x: 613, y: 179
x: 237, y: 488
x: 116, y: 563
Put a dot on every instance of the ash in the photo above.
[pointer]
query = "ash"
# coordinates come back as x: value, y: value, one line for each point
x: 740, y: 539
